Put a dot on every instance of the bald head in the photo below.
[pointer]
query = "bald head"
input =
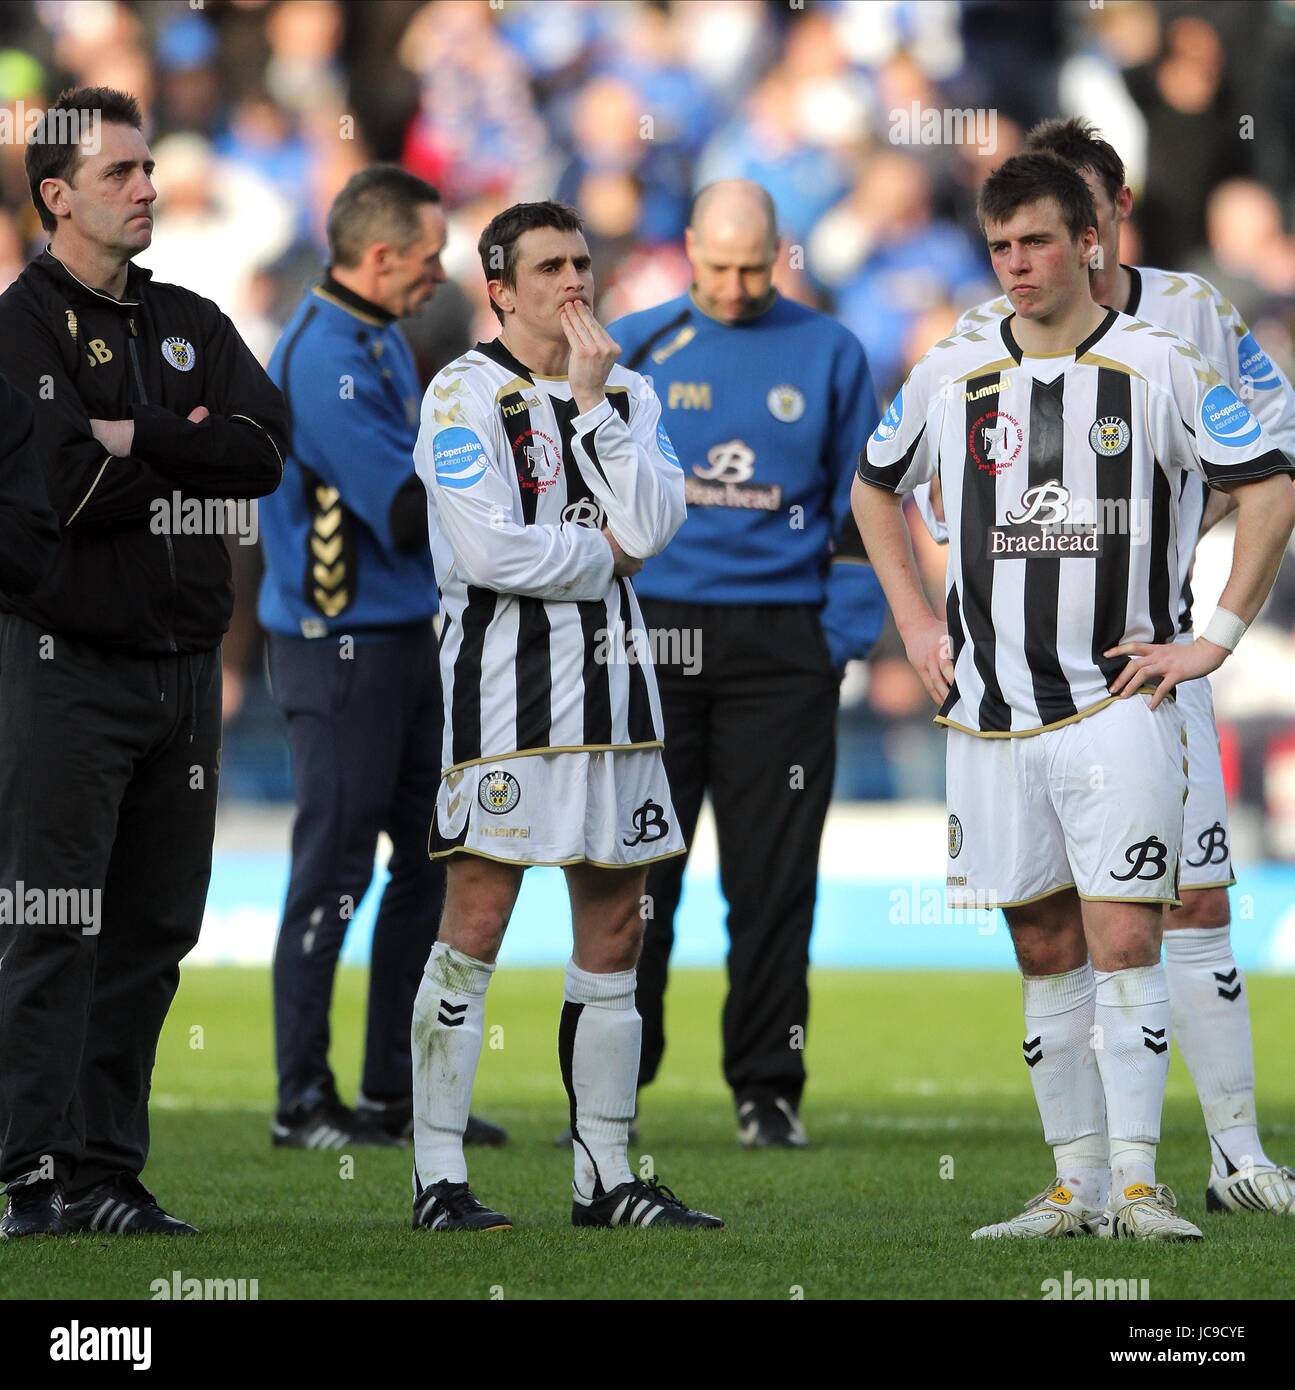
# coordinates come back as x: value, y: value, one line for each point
x: 734, y: 210
x: 732, y: 241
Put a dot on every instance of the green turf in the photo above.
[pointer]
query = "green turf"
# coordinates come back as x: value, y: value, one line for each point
x: 911, y: 1075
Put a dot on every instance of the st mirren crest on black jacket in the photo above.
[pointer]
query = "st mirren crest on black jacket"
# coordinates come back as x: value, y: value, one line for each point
x: 121, y: 577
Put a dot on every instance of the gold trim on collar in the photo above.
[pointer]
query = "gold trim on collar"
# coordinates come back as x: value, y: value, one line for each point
x: 350, y: 309
x: 512, y: 388
x: 1095, y: 359
x: 1004, y: 364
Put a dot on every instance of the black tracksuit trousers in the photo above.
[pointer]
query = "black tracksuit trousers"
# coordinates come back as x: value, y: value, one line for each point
x: 756, y: 728
x: 365, y: 735
x: 108, y: 771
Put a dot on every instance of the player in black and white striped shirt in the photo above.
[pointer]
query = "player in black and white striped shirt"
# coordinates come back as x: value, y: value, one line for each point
x: 549, y: 479
x: 1207, y: 991
x: 1059, y: 436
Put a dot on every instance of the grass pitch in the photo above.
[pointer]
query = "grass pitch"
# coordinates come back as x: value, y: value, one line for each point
x: 918, y: 1106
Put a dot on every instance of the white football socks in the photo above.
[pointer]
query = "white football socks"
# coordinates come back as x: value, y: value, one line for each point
x: 598, y: 1047
x: 1059, y: 1014
x: 449, y: 1020
x: 1132, y: 1047
x: 1211, y: 1012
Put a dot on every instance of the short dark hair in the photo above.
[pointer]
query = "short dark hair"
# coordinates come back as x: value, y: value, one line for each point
x: 1028, y: 178
x: 497, y: 246
x: 379, y: 203
x: 53, y: 149
x: 1080, y: 143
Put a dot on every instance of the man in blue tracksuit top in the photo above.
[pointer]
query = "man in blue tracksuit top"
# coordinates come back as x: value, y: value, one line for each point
x: 758, y: 603
x: 348, y: 600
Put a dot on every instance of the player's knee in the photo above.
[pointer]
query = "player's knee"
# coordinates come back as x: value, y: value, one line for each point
x: 1202, y: 907
x: 625, y: 942
x: 1046, y: 950
x: 616, y: 944
x: 477, y: 932
x: 1041, y: 956
x: 474, y: 923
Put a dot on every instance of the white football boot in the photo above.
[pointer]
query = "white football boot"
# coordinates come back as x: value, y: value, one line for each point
x: 1147, y: 1213
x: 1055, y: 1211
x: 1263, y: 1189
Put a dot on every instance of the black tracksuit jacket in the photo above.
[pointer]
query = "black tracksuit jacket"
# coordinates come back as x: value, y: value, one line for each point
x: 117, y: 579
x: 28, y: 528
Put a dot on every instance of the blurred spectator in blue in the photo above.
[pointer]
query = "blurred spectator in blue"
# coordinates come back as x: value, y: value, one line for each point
x: 262, y: 137
x: 726, y: 43
x: 871, y: 35
x: 305, y: 69
x: 189, y: 90
x: 797, y: 134
x: 767, y: 145
x: 613, y: 132
x: 223, y: 223
x: 888, y: 261
x: 956, y: 167
x: 651, y: 55
x: 559, y: 45
x: 476, y: 132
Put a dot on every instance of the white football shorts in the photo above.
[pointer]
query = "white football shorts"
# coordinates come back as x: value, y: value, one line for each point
x: 1206, y: 860
x: 1096, y: 804
x: 612, y: 809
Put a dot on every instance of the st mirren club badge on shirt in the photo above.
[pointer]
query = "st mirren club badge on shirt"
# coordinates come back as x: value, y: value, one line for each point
x: 1110, y: 436
x: 785, y: 403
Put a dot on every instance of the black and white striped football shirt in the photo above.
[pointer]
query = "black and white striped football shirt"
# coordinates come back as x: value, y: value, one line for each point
x: 542, y: 650
x: 1192, y: 307
x: 1061, y: 478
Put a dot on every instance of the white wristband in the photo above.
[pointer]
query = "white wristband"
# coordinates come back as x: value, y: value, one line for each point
x: 1224, y: 629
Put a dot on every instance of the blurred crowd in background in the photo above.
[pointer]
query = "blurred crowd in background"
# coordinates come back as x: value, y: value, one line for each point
x: 259, y: 110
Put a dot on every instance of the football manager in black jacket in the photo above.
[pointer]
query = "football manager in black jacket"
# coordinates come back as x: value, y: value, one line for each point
x: 146, y: 404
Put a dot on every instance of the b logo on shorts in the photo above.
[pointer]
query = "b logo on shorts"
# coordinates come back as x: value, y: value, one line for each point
x: 955, y: 837
x: 650, y: 817
x: 1149, y: 853
x: 499, y: 792
x: 1213, y: 845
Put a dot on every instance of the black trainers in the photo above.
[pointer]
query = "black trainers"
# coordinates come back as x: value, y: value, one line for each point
x: 123, y: 1206
x: 35, y: 1209
x: 329, y: 1125
x: 397, y: 1121
x: 639, y: 1203
x: 450, y: 1206
x: 770, y: 1124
